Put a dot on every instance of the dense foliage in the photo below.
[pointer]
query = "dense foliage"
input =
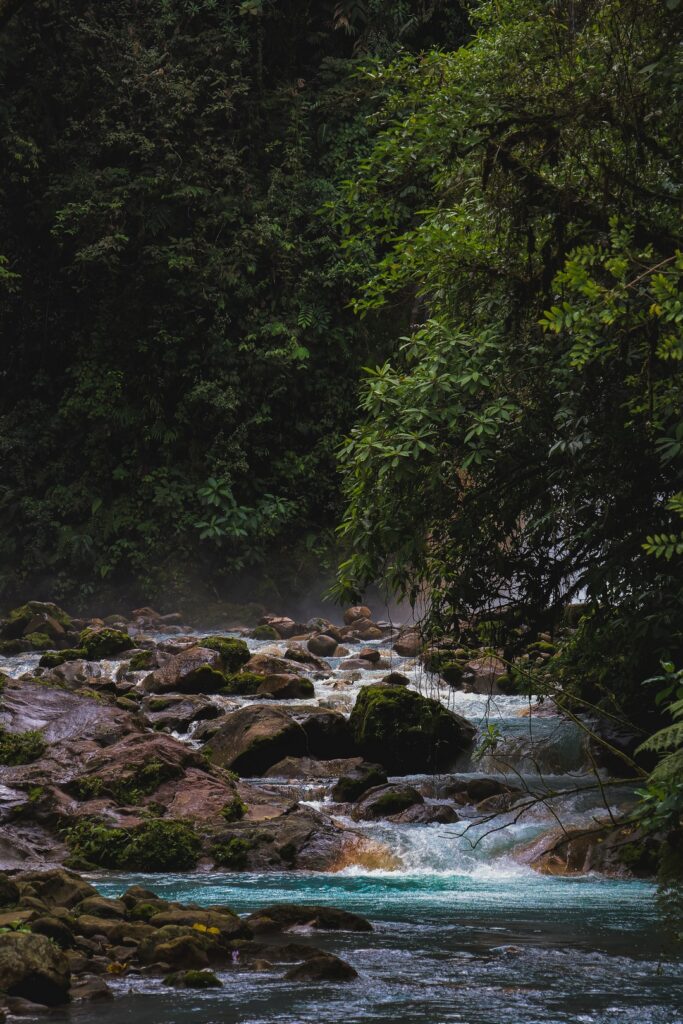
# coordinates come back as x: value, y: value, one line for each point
x: 525, y: 444
x: 180, y: 358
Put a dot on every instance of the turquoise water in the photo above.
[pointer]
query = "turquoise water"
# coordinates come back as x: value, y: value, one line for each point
x: 505, y: 947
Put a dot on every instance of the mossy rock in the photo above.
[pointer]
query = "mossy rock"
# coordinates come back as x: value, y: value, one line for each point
x: 193, y: 979
x: 350, y: 787
x: 54, y: 658
x: 243, y: 684
x: 19, y: 618
x: 406, y: 732
x: 104, y: 643
x: 452, y: 672
x: 264, y: 633
x: 234, y: 653
x: 142, y: 661
x: 39, y: 641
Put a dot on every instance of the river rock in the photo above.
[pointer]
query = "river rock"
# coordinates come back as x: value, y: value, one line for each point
x: 286, y: 687
x: 310, y: 768
x: 356, y: 612
x: 253, y: 739
x: 197, y: 670
x: 282, y: 917
x: 177, y: 712
x: 328, y: 734
x: 299, y: 654
x: 32, y: 967
x: 405, y: 732
x: 408, y: 645
x: 322, y: 968
x: 322, y: 645
x: 361, y: 777
x: 385, y: 802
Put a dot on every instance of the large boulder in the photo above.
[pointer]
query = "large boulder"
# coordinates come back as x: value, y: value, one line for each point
x: 327, y: 732
x: 57, y: 887
x: 254, y: 738
x: 33, y: 967
x: 406, y: 732
x: 356, y: 612
x: 266, y: 663
x: 195, y: 670
x: 408, y: 645
x: 42, y: 617
x: 322, y: 646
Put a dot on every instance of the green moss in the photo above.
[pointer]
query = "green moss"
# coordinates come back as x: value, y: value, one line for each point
x: 104, y: 643
x: 242, y: 684
x: 234, y: 653
x: 21, y: 747
x: 348, y: 788
x: 404, y: 731
x: 39, y: 641
x: 265, y: 633
x: 155, y: 846
x: 235, y: 810
x: 193, y: 979
x: 232, y: 854
x: 452, y: 672
x: 160, y: 704
x: 19, y: 618
x: 542, y: 646
x: 142, y: 661
x: 54, y: 658
x: 392, y: 803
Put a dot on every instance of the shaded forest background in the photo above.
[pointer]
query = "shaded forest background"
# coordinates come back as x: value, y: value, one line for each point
x: 180, y: 360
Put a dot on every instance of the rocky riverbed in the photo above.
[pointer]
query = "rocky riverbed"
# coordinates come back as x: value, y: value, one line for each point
x: 138, y: 744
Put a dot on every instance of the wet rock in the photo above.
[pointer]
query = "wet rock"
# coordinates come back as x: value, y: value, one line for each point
x: 193, y: 979
x: 267, y: 664
x: 136, y: 766
x: 9, y: 891
x: 90, y: 989
x: 282, y: 917
x: 104, y: 643
x: 408, y: 645
x: 327, y: 732
x: 102, y: 907
x: 264, y: 633
x: 480, y: 675
x: 322, y: 646
x: 356, y: 612
x: 55, y: 929
x: 57, y: 887
x: 354, y: 783
x: 224, y: 923
x: 286, y: 687
x: 177, y: 712
x: 33, y: 967
x: 310, y: 768
x: 385, y: 802
x: 255, y: 738
x: 285, y: 627
x: 396, y: 679
x: 299, y: 654
x: 406, y: 732
x: 426, y: 814
x: 619, y: 850
x: 322, y: 968
x: 197, y: 670
x: 36, y: 617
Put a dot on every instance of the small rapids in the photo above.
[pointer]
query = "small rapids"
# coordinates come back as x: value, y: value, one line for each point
x: 464, y: 930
